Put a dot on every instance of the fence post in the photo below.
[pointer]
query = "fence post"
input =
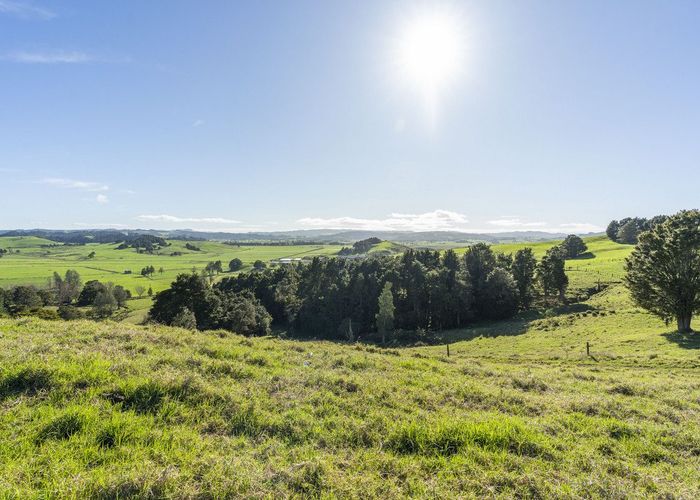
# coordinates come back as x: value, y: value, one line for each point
x: 448, y: 349
x: 588, y: 348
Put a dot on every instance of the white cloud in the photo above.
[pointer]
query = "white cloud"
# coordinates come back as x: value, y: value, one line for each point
x: 581, y: 227
x: 515, y: 223
x: 73, y: 184
x: 49, y: 57
x: 196, y: 220
x: 25, y: 10
x: 437, y: 220
x: 102, y: 199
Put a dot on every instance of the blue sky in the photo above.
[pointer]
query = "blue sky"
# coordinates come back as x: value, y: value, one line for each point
x: 242, y: 116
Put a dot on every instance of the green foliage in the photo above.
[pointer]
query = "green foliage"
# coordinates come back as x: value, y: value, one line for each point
x: 235, y: 265
x: 573, y: 246
x: 185, y: 319
x: 523, y: 270
x: 212, y: 308
x: 663, y: 271
x: 385, y: 313
x: 551, y: 273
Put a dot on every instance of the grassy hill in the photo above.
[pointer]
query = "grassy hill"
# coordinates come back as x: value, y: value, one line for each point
x: 106, y: 410
x: 517, y: 409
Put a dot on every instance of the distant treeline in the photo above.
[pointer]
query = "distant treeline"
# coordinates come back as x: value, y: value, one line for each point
x: 422, y: 291
x: 627, y: 230
x: 275, y: 243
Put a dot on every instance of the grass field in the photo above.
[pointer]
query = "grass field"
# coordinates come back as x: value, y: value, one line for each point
x: 518, y: 409
x: 38, y: 259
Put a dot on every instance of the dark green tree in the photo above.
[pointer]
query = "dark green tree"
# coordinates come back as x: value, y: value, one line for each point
x: 500, y: 295
x: 628, y: 233
x: 663, y: 271
x: 121, y: 295
x: 612, y: 229
x: 185, y: 319
x: 236, y: 264
x: 523, y: 270
x: 551, y: 273
x: 573, y: 246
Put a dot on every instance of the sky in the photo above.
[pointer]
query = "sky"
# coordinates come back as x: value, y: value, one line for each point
x: 414, y: 115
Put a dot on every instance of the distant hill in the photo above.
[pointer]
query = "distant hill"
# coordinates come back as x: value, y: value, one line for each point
x: 313, y: 235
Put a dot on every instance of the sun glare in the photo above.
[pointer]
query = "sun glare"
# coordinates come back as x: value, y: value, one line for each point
x: 429, y: 53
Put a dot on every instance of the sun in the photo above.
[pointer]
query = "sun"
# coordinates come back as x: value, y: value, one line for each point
x: 429, y: 52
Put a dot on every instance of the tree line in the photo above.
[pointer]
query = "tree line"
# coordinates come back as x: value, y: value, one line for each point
x: 68, y: 293
x: 335, y: 298
x: 627, y: 230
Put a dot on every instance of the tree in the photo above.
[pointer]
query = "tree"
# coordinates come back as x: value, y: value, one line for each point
x: 612, y: 229
x: 214, y: 267
x: 89, y: 293
x: 663, y: 271
x: 140, y: 290
x: 573, y: 246
x: 150, y: 291
x: 161, y: 270
x: 235, y: 265
x: 345, y: 330
x: 500, y: 295
x: 148, y: 271
x: 628, y: 233
x: 105, y: 304
x: 523, y: 270
x: 259, y: 265
x: 25, y: 298
x: 185, y: 319
x: 479, y: 261
x: 385, y: 315
x: 121, y: 295
x: 67, y: 289
x: 551, y: 274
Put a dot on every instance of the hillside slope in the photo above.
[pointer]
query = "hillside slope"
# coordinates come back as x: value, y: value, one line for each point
x: 105, y: 410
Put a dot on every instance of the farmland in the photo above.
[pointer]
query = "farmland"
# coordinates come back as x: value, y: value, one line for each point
x: 519, y: 408
x: 38, y: 259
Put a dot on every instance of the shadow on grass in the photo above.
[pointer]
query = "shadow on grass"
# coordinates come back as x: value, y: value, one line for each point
x: 511, y: 327
x: 684, y: 340
x: 584, y: 256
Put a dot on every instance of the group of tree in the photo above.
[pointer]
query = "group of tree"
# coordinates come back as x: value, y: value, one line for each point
x: 627, y: 230
x: 148, y: 271
x: 2, y: 252
x: 214, y: 267
x: 663, y: 271
x: 192, y: 303
x: 360, y: 247
x: 69, y: 294
x: 192, y: 247
x: 339, y: 298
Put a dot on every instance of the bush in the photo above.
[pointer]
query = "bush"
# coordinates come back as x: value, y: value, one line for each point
x: 69, y: 313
